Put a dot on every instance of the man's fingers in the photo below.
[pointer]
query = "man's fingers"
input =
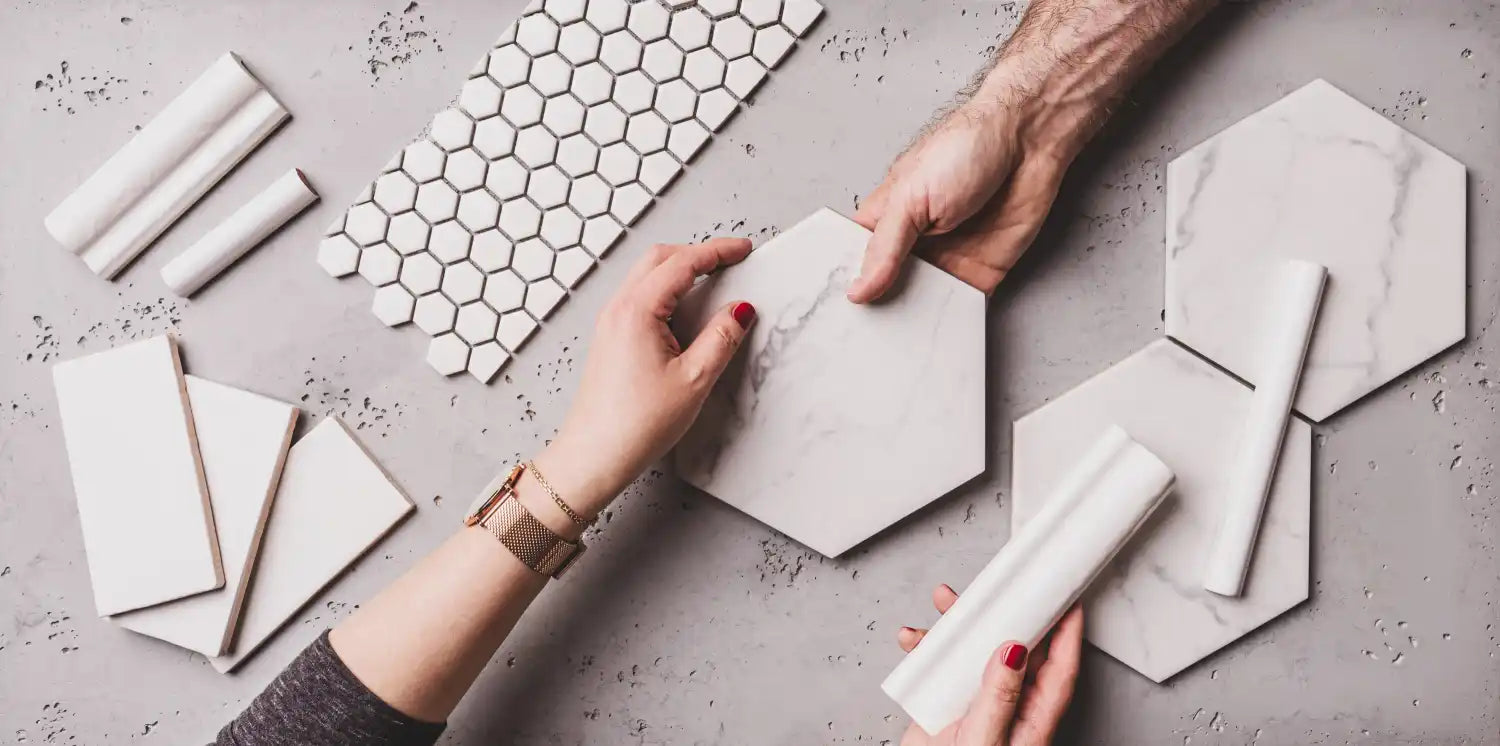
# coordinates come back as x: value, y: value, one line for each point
x: 873, y: 205
x: 895, y: 233
x: 663, y: 285
x: 943, y: 598
x: 710, y: 352
x: 908, y: 637
x: 987, y: 723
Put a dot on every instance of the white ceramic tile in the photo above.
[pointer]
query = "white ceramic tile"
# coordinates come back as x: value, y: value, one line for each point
x: 395, y: 193
x: 548, y: 187
x: 480, y: 97
x: 579, y: 43
x: 393, y: 305
x: 506, y: 178
x: 478, y: 210
x: 490, y: 251
x: 1150, y: 610
x: 465, y: 169
x: 629, y: 202
x: 550, y: 74
x: 142, y: 501
x: 563, y: 115
x: 690, y: 29
x: 476, y: 323
x: 582, y: 112
x: 535, y: 146
x: 337, y: 226
x: 423, y: 161
x: 571, y: 265
x: 509, y: 65
x: 436, y: 201
x: 532, y: 259
x: 504, y: 291
x: 515, y: 328
x: 790, y: 432
x: 658, y: 170
x: 543, y: 296
x: 577, y: 155
x: 494, y: 138
x: 1320, y: 177
x: 452, y: 129
x: 485, y: 360
x: 519, y: 219
x: 462, y: 282
x: 522, y: 106
x: 592, y: 83
x: 338, y: 255
x: 379, y: 264
x: 646, y: 132
x: 449, y: 242
x: 366, y: 224
x: 715, y: 107
x: 744, y: 76
x: 434, y: 314
x: 408, y: 233
x: 798, y: 15
x: 421, y: 273
x: 242, y: 441
x: 333, y: 503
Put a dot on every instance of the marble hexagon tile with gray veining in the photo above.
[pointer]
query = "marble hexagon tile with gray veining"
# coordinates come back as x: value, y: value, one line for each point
x: 579, y: 117
x: 1320, y: 177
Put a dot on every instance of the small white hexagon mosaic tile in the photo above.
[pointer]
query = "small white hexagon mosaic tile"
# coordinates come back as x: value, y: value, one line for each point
x: 563, y: 135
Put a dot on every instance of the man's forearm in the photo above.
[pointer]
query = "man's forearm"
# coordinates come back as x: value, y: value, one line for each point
x: 1070, y: 61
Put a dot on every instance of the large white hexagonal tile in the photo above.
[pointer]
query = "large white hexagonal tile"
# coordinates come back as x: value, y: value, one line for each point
x: 1318, y: 176
x: 1149, y: 608
x: 801, y: 431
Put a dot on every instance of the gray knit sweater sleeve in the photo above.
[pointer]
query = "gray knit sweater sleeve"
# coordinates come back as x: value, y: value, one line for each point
x: 318, y: 700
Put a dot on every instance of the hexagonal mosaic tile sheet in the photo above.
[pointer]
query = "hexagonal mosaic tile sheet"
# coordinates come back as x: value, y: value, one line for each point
x: 563, y: 135
x: 1318, y: 176
x: 1148, y: 608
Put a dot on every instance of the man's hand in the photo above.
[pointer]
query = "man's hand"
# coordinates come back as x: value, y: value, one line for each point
x: 977, y: 185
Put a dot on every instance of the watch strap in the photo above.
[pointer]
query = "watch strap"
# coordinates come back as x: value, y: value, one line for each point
x: 529, y: 539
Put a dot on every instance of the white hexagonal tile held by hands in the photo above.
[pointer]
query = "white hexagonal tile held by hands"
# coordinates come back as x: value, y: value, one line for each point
x: 1318, y: 176
x: 581, y: 115
x: 794, y: 429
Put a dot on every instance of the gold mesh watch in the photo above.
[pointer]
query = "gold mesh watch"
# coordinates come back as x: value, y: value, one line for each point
x: 500, y: 513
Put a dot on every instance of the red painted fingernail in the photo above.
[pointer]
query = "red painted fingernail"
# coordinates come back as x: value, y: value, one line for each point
x: 1015, y: 656
x: 744, y: 313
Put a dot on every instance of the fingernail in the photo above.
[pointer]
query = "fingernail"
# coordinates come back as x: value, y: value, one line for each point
x: 1015, y: 656
x: 744, y: 313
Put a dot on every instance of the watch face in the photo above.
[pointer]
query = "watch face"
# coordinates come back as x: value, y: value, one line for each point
x: 473, y: 513
x: 491, y: 493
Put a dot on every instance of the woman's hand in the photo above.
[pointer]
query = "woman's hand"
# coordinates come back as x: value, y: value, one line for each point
x: 1021, y: 698
x: 640, y: 389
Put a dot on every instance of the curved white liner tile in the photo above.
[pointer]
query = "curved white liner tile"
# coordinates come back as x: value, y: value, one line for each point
x: 1034, y: 578
x: 582, y: 114
x: 239, y: 233
x: 166, y: 167
x: 1289, y: 317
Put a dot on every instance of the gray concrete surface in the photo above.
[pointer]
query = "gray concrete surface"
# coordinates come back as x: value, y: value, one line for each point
x: 691, y: 623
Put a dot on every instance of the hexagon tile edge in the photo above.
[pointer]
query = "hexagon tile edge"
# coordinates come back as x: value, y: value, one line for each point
x: 583, y: 113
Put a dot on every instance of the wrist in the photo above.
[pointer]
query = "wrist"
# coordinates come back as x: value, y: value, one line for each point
x: 576, y: 478
x: 1052, y: 114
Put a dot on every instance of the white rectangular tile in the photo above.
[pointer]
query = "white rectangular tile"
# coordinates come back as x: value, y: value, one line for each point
x: 334, y: 502
x: 242, y: 440
x: 143, y: 503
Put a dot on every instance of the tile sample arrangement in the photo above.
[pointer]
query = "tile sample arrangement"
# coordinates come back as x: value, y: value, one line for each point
x: 1318, y: 176
x: 567, y: 130
x: 143, y: 503
x: 1149, y: 609
x: 836, y: 420
x: 239, y: 233
x: 1109, y: 490
x: 242, y: 440
x: 166, y: 167
x: 334, y: 502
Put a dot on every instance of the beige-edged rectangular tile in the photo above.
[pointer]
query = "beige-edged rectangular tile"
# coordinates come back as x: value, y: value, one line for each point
x: 242, y: 440
x: 148, y: 532
x: 334, y: 502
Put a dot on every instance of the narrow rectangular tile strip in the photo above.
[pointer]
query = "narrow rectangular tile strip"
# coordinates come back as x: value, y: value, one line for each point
x: 239, y: 233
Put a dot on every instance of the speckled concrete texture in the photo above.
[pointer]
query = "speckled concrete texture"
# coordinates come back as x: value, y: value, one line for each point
x: 689, y: 622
